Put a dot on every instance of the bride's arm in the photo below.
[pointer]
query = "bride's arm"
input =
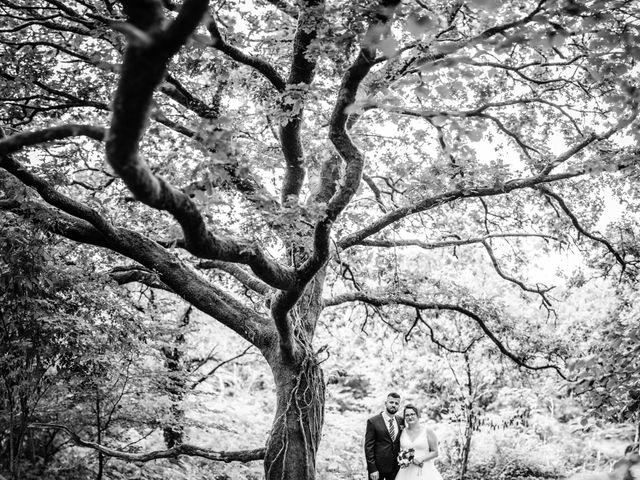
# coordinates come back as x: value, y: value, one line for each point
x: 433, y: 449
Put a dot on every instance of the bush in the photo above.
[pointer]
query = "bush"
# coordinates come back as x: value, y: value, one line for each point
x: 507, y: 455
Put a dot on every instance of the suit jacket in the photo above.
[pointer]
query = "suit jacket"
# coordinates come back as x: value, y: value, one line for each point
x: 380, y: 451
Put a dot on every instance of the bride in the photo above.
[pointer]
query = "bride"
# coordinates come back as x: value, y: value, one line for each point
x: 425, y: 446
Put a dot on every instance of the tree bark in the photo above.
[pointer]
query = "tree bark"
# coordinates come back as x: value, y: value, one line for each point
x: 300, y: 393
x: 176, y: 385
x: 100, y: 472
x: 293, y: 443
x: 466, y: 447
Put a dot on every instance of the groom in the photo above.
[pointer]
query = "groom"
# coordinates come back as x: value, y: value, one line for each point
x: 382, y: 441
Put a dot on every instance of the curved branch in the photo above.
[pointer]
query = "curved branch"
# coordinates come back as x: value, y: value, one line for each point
x: 284, y: 301
x: 175, y: 452
x: 576, y: 223
x: 239, y: 274
x: 410, y: 302
x: 183, y: 280
x: 517, y: 69
x: 301, y: 74
x: 375, y: 190
x: 444, y: 49
x: 143, y: 69
x: 516, y: 138
x: 437, y: 342
x: 474, y: 112
x: 56, y: 199
x: 22, y: 140
x: 480, y: 113
x: 623, y: 161
x: 259, y: 64
x: 124, y: 275
x: 540, y: 291
x: 172, y: 88
x: 178, y: 93
x: 589, y: 140
x: 218, y: 366
x: 449, y: 243
x: 243, y: 182
x: 57, y: 222
x: 341, y: 140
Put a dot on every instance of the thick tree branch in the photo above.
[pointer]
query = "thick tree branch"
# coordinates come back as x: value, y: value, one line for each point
x: 130, y: 274
x: 56, y: 199
x: 380, y: 301
x: 176, y: 275
x: 189, y: 285
x: 175, y: 452
x: 178, y: 93
x: 354, y: 159
x: 143, y: 69
x: 22, y: 140
x: 348, y: 151
x: 242, y: 182
x: 54, y: 221
x: 301, y: 74
x: 259, y: 64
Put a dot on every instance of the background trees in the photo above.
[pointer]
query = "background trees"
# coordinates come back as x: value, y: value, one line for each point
x: 266, y: 161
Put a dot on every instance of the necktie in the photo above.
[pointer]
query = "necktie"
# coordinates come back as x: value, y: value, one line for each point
x: 392, y: 429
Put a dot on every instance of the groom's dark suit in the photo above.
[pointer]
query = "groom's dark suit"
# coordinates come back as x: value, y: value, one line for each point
x: 380, y: 450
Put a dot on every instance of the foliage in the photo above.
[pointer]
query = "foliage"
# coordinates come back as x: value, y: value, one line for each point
x: 72, y: 349
x: 274, y: 164
x: 609, y: 379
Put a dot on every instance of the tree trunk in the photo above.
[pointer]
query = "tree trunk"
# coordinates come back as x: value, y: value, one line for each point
x: 297, y: 427
x: 469, y: 419
x: 100, y: 472
x: 466, y: 447
x: 173, y: 432
x: 300, y: 392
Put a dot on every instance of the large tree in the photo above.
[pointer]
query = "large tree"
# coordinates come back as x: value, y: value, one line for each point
x: 289, y: 146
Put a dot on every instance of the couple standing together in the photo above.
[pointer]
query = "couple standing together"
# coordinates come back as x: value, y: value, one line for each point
x: 400, y: 448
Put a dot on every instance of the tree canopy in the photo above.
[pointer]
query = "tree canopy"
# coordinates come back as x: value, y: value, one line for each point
x: 266, y: 160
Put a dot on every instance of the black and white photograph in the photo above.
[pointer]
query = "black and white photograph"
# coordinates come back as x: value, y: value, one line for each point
x: 319, y: 239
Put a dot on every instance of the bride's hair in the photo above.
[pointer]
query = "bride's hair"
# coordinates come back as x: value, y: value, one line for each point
x: 409, y: 406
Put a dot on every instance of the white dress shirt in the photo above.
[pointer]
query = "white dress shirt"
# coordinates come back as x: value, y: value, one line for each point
x: 388, y: 417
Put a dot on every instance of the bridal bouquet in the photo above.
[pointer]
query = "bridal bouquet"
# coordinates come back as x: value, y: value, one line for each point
x: 405, y: 457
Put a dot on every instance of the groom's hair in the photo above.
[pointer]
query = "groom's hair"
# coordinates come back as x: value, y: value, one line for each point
x: 393, y: 394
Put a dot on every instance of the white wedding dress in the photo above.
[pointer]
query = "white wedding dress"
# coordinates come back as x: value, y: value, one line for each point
x: 420, y: 445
